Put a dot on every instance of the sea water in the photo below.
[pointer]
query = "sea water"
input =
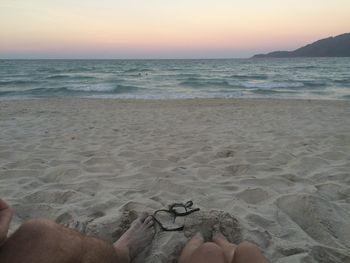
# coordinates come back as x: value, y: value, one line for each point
x: 305, y: 78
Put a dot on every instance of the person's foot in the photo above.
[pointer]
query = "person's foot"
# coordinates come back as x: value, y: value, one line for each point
x: 6, y: 213
x: 226, y: 246
x: 218, y: 236
x: 192, y: 245
x: 137, y: 237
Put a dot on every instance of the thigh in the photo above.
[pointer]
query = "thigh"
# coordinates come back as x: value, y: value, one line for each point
x: 208, y: 253
x: 43, y: 241
x: 248, y: 252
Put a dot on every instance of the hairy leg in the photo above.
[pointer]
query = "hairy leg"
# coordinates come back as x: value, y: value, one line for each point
x: 43, y: 241
x: 248, y: 252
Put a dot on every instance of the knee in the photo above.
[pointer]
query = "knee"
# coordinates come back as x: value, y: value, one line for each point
x: 37, y: 227
x: 246, y: 246
x: 38, y: 224
x: 210, y: 249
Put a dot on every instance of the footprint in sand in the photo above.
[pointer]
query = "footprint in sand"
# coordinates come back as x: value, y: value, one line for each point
x: 225, y: 154
x: 324, y: 221
x: 253, y: 196
x: 236, y: 170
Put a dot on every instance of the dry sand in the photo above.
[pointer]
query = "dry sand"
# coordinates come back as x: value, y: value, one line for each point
x: 274, y: 172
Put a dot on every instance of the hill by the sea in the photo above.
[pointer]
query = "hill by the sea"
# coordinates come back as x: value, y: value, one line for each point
x: 338, y: 46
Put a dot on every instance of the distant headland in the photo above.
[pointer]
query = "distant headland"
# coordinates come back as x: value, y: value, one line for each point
x: 338, y: 46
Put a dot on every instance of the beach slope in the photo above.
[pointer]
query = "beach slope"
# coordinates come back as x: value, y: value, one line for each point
x: 274, y: 172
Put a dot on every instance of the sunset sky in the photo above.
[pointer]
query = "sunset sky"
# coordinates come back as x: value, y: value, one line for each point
x: 164, y: 28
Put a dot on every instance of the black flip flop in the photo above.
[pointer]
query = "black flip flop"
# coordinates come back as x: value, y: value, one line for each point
x: 174, y: 212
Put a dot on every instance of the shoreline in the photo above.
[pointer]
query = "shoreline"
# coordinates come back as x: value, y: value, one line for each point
x: 4, y: 99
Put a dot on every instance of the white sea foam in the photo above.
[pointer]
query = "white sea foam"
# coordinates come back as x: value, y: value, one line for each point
x: 271, y: 85
x: 164, y: 79
x: 93, y: 88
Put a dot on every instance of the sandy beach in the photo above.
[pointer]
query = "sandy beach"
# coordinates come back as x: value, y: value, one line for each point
x: 274, y: 172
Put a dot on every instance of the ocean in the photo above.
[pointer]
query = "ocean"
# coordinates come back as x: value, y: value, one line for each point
x: 301, y: 78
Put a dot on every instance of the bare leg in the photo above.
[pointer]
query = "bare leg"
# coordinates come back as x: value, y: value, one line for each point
x: 5, y: 219
x: 191, y: 246
x: 138, y: 236
x: 43, y: 241
x: 208, y: 253
x: 39, y: 241
x: 196, y: 251
x: 248, y: 252
x: 220, y: 251
x: 227, y: 247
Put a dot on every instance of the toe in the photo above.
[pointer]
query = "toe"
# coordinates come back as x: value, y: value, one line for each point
x: 148, y: 219
x: 219, y: 236
x: 143, y: 216
x: 150, y: 223
x: 198, y: 236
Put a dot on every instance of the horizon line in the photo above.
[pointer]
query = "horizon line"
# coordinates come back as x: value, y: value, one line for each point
x: 201, y: 58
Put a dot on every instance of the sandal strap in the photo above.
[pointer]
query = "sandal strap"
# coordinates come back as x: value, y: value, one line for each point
x: 172, y: 211
x: 187, y: 206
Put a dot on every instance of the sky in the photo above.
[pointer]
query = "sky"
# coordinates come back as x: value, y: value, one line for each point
x: 165, y: 28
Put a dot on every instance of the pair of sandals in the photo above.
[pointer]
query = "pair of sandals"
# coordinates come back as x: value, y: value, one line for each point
x: 166, y: 218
